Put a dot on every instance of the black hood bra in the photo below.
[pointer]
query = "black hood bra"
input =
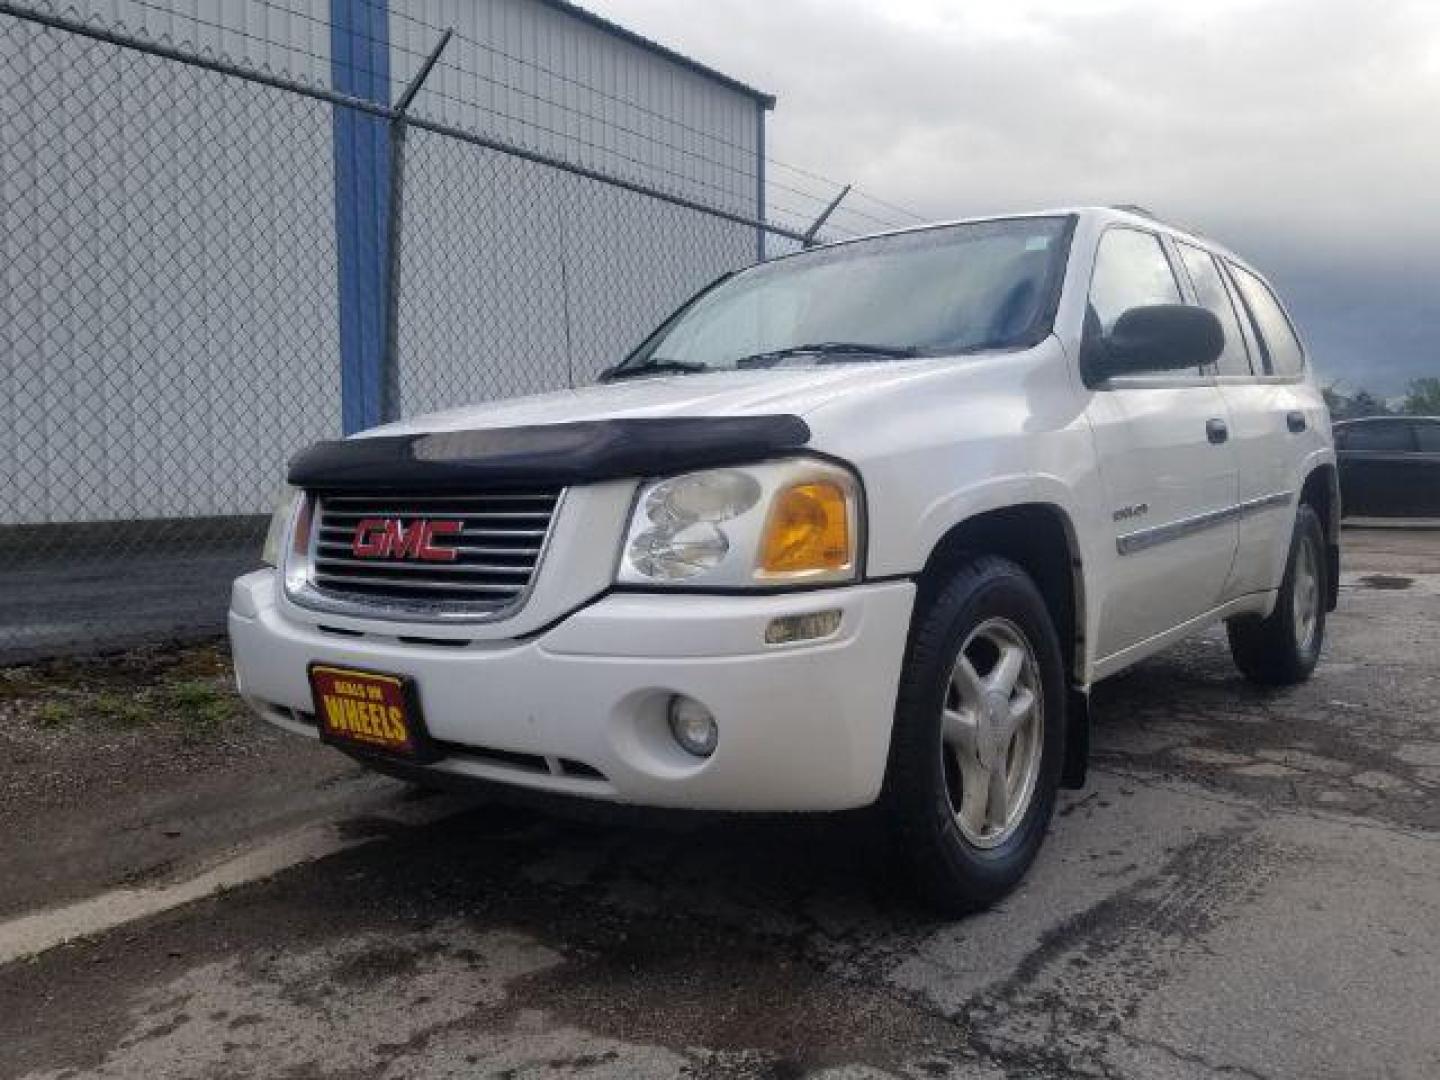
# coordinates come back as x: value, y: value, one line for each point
x: 550, y: 454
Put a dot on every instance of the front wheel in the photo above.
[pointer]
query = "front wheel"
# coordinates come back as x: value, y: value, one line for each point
x: 1284, y: 648
x: 979, y: 736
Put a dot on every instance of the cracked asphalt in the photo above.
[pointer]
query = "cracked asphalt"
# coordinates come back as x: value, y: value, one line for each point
x: 1249, y: 886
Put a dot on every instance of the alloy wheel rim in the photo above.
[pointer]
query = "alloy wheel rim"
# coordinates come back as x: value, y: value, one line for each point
x: 1305, y: 596
x: 992, y: 732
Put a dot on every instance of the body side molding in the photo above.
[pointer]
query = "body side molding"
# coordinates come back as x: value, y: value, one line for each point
x: 1144, y: 539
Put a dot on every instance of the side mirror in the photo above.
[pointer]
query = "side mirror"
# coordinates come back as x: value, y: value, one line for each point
x: 1158, y: 337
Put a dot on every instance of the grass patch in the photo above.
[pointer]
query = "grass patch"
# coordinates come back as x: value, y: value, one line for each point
x: 186, y: 690
x: 55, y: 714
x: 122, y: 711
x: 201, y: 705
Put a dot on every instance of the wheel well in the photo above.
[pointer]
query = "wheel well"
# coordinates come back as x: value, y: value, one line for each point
x: 1321, y: 492
x: 1038, y: 537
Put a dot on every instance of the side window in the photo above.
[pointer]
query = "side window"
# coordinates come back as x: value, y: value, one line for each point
x: 1131, y: 270
x: 1427, y: 438
x: 1385, y: 436
x: 1247, y: 326
x: 1210, y: 290
x: 1281, y: 346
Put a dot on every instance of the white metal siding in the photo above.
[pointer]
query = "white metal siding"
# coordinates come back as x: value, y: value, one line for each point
x: 492, y: 246
x: 488, y: 239
x: 164, y: 231
x: 531, y: 74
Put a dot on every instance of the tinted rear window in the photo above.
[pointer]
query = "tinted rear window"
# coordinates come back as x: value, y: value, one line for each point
x: 1427, y: 437
x: 1385, y: 435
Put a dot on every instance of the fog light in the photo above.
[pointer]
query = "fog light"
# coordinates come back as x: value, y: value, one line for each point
x: 789, y: 628
x: 693, y: 726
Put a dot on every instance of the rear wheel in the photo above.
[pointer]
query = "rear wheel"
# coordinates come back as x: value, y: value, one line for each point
x: 1283, y: 648
x: 979, y: 736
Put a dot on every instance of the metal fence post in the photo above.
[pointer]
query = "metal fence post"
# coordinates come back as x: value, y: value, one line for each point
x: 809, y: 239
x: 390, y: 403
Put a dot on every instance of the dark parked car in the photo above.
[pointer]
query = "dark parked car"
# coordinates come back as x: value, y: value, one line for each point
x: 1389, y: 466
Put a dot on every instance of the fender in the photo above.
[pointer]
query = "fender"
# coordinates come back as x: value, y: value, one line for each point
x: 1317, y: 459
x: 1002, y: 496
x: 1086, y: 531
x: 1324, y: 458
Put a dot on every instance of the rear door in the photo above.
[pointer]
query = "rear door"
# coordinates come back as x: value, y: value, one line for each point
x: 1167, y: 468
x: 1280, y: 418
x: 1275, y: 418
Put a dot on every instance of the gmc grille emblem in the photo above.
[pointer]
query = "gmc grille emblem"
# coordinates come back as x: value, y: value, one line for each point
x: 394, y: 538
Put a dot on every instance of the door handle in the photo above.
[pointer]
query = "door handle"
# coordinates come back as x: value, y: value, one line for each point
x: 1295, y: 421
x: 1216, y: 430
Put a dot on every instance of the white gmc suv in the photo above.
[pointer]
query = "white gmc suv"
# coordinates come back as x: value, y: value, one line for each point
x: 858, y: 525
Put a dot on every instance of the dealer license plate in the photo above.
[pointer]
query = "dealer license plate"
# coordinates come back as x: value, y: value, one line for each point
x: 368, y: 710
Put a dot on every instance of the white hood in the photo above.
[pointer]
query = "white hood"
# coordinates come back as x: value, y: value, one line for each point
x: 854, y: 411
x: 721, y: 393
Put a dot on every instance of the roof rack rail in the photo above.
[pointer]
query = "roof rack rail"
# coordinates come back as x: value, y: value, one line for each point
x: 1135, y: 208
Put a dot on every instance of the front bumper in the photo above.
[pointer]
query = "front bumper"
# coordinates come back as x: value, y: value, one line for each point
x: 580, y: 708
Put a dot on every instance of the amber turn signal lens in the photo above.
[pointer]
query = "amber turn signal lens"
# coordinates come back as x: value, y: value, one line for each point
x: 808, y: 530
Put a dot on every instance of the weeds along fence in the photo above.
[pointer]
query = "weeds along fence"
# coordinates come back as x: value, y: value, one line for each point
x: 182, y: 310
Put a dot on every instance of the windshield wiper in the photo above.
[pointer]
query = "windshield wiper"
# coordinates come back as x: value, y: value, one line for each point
x: 822, y: 349
x: 655, y: 367
x: 827, y: 349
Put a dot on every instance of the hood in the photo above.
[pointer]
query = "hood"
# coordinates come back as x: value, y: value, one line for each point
x: 721, y: 393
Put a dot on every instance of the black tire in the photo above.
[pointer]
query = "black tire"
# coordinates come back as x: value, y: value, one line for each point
x: 1270, y: 651
x: 952, y: 873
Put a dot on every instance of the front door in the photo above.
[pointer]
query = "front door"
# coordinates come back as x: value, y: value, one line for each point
x: 1167, y: 467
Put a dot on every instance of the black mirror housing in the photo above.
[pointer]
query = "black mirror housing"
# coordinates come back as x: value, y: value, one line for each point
x: 1159, y: 337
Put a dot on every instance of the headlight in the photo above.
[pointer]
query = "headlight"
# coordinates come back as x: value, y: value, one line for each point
x: 795, y: 521
x: 279, y: 525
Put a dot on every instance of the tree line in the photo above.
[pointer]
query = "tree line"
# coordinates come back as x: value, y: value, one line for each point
x: 1422, y: 399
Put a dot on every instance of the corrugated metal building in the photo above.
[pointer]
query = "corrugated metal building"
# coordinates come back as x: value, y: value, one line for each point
x: 169, y: 235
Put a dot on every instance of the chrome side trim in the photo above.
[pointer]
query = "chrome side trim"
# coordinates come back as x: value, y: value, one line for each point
x: 1144, y: 539
x: 1265, y: 502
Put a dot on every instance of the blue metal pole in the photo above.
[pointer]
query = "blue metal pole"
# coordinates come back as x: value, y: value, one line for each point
x: 360, y: 67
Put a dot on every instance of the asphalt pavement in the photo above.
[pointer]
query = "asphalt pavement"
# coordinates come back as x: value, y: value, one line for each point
x: 1249, y: 886
x: 73, y: 602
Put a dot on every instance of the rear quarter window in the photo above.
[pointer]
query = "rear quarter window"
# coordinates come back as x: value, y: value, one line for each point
x: 1380, y: 435
x: 1282, y: 347
x: 1427, y: 438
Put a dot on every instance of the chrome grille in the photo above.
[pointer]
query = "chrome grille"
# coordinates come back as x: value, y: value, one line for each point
x: 496, y: 551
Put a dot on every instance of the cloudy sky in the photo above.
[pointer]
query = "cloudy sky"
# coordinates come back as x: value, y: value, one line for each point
x: 1305, y: 134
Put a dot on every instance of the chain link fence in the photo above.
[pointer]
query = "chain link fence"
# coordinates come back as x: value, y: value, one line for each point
x: 171, y: 319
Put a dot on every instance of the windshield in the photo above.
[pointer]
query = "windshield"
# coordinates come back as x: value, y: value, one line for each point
x: 955, y: 289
